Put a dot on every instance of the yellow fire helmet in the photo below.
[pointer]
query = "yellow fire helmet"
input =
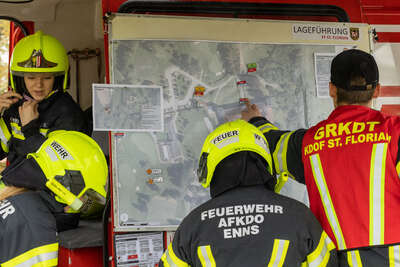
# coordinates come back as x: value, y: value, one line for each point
x: 227, y: 139
x: 76, y: 170
x: 38, y: 53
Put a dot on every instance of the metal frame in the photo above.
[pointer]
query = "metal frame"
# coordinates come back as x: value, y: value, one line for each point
x: 234, y: 9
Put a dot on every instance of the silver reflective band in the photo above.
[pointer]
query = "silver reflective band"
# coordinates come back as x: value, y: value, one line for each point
x: 279, y: 251
x: 354, y: 259
x: 204, y: 257
x: 169, y: 260
x: 377, y: 194
x: 326, y: 200
x: 394, y: 256
x: 38, y: 259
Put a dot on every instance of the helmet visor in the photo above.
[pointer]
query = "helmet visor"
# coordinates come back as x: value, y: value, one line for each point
x: 72, y: 181
x: 70, y: 190
x: 202, y: 168
x: 93, y: 203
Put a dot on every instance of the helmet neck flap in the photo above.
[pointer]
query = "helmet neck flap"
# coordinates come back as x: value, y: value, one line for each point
x: 244, y: 168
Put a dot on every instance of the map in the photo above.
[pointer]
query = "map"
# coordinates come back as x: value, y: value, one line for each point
x: 203, y: 85
x: 127, y: 108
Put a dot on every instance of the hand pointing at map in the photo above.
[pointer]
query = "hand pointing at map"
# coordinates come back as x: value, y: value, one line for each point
x: 250, y: 111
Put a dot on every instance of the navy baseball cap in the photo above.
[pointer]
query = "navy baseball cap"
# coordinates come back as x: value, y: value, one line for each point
x: 354, y: 63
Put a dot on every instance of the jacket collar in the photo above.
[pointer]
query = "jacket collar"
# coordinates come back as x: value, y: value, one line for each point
x: 45, y: 103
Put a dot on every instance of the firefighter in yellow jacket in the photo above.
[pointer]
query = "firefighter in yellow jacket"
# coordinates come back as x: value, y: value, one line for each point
x: 245, y: 223
x: 69, y: 166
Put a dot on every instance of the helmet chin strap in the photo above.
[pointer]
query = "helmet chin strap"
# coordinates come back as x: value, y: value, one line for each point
x: 25, y: 90
x: 20, y: 87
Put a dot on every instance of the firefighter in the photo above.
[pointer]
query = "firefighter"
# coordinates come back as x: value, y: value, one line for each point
x: 245, y: 223
x: 350, y: 163
x: 37, y: 103
x: 69, y: 166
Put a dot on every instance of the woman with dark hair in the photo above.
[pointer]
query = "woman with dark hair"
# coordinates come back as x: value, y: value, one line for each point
x: 37, y: 104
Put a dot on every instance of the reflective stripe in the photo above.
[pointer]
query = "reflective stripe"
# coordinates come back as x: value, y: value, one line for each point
x: 278, y: 253
x: 280, y: 154
x: 171, y: 260
x: 48, y: 263
x: 320, y: 256
x: 51, y: 93
x: 281, y: 181
x: 5, y: 135
x: 398, y: 168
x: 330, y: 213
x: 40, y: 256
x: 377, y: 194
x: 265, y: 128
x: 394, y: 256
x: 205, y: 256
x: 43, y: 131
x: 354, y: 259
x: 16, y: 131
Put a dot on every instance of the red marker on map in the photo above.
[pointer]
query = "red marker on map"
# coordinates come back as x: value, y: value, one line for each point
x: 252, y: 67
x: 199, y: 90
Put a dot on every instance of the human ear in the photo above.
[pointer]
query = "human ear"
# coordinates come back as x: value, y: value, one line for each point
x: 377, y: 91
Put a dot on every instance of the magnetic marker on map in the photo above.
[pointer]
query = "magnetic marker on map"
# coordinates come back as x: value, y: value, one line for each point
x: 251, y: 67
x: 153, y: 171
x: 242, y: 87
x: 199, y: 90
x: 155, y: 180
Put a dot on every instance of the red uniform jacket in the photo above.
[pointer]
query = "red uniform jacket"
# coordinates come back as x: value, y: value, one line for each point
x: 350, y: 164
x: 350, y: 171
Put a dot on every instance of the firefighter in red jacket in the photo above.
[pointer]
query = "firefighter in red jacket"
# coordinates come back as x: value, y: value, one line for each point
x: 350, y: 163
x: 245, y: 223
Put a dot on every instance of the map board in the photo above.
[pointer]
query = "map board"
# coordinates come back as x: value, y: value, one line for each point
x: 203, y: 83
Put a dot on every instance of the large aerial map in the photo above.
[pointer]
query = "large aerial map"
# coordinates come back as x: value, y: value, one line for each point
x: 203, y: 84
